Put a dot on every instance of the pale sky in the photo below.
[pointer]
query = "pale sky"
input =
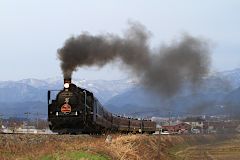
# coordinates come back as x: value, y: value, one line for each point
x: 32, y: 31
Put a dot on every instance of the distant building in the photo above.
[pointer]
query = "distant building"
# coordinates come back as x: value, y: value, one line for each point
x: 195, y: 123
x: 26, y: 129
x: 179, y: 127
x: 221, y: 126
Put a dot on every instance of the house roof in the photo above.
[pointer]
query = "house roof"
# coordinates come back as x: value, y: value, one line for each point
x: 193, y: 119
x: 174, y: 123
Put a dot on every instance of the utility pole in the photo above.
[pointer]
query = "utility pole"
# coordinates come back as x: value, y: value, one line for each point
x: 1, y: 120
x: 37, y: 119
x: 169, y: 118
x: 27, y: 113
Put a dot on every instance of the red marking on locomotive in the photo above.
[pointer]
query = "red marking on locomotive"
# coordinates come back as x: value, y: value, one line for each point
x: 66, y: 108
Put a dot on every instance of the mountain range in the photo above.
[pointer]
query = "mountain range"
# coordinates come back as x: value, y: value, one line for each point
x: 217, y: 94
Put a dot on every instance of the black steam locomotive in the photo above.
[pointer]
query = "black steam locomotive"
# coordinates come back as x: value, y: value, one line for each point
x: 76, y: 110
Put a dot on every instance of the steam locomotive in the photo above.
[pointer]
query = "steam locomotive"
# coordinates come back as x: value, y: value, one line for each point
x: 76, y: 110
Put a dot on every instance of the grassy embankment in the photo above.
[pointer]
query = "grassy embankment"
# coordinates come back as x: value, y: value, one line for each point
x: 124, y: 147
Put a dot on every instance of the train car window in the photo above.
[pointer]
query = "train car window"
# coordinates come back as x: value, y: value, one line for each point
x: 100, y: 110
x: 104, y: 114
x: 97, y: 109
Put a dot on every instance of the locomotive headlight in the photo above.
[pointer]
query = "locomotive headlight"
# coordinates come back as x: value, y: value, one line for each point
x: 66, y: 85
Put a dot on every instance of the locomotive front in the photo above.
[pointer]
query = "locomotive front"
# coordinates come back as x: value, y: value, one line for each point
x: 65, y: 112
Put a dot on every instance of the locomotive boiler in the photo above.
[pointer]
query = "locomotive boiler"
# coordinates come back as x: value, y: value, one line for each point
x: 76, y: 110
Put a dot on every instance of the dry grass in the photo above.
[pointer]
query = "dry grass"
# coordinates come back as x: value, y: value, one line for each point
x: 22, y: 146
x: 216, y: 147
x: 123, y: 147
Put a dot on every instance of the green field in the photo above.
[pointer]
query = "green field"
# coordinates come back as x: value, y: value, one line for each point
x: 74, y: 156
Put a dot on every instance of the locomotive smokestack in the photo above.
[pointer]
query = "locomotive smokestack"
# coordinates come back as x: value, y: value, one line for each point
x: 67, y: 80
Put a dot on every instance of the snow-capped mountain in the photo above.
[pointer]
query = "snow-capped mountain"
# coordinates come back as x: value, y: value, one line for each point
x: 34, y: 82
x: 17, y: 97
x: 116, y: 95
x: 232, y: 77
x: 105, y: 90
x: 36, y: 90
x: 19, y: 92
x: 218, y: 89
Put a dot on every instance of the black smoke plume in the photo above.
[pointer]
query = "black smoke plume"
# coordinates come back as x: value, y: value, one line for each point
x: 163, y: 70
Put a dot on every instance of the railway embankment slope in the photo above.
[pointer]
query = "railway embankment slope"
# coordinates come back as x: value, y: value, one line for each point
x: 142, y: 147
